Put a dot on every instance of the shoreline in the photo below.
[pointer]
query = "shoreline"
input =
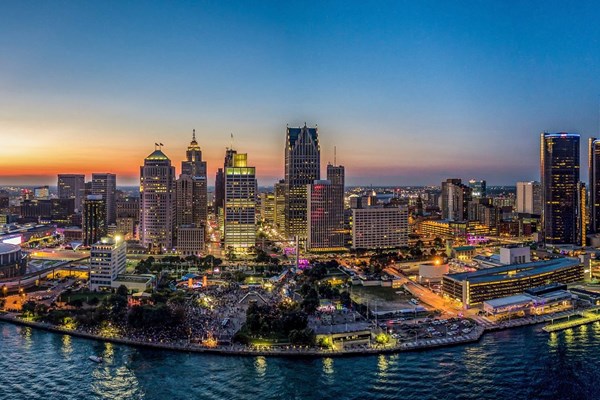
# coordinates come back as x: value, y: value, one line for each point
x: 419, y: 345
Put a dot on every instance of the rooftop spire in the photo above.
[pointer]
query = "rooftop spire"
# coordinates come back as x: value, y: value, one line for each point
x: 193, y: 135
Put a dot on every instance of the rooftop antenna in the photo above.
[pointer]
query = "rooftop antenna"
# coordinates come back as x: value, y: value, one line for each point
x: 231, y: 141
x: 334, y: 155
x: 193, y: 135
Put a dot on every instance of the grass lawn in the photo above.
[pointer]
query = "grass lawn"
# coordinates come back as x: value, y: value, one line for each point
x: 85, y: 296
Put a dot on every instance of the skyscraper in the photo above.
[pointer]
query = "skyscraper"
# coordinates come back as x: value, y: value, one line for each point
x: 220, y: 181
x: 594, y: 184
x: 240, y: 205
x: 93, y: 219
x: 193, y: 164
x: 195, y: 168
x: 157, y: 202
x: 455, y: 200
x: 559, y: 161
x: 105, y: 185
x: 529, y: 198
x: 326, y: 211
x: 582, y: 214
x: 72, y: 186
x: 302, y: 168
x: 279, y: 190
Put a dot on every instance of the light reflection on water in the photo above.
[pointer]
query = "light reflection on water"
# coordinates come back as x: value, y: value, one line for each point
x: 516, y: 364
x: 67, y: 347
x: 328, y: 366
x: 260, y: 364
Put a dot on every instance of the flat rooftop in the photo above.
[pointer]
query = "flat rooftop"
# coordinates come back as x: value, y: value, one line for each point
x: 513, y: 271
x: 509, y: 301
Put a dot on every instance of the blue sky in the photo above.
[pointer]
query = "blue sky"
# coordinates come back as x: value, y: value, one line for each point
x: 409, y: 92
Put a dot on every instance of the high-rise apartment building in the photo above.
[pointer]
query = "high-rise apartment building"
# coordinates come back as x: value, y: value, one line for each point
x: 594, y: 184
x: 559, y: 161
x: 478, y: 189
x: 108, y: 259
x: 72, y: 186
x: 240, y: 205
x: 157, y: 202
x: 302, y: 168
x: 93, y: 219
x: 529, y: 198
x: 455, y: 200
x: 105, y: 185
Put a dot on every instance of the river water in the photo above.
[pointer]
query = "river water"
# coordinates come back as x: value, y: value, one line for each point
x: 524, y: 363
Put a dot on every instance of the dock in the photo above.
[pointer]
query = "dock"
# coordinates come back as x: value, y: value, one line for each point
x: 585, y: 317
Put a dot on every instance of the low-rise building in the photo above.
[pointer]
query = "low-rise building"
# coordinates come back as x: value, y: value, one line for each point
x: 190, y: 240
x: 471, y: 288
x: 134, y: 283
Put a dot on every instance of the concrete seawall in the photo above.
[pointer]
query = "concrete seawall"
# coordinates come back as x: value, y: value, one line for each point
x: 419, y: 345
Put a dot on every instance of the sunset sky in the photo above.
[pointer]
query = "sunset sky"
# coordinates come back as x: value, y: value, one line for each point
x: 410, y: 92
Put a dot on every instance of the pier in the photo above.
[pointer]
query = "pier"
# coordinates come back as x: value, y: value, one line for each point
x: 583, y: 318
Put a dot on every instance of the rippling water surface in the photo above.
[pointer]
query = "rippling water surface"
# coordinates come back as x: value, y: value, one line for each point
x: 524, y: 363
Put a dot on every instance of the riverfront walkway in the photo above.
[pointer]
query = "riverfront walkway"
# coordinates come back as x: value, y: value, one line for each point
x: 240, y: 350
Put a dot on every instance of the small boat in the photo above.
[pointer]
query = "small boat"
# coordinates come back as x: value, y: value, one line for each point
x: 96, y: 359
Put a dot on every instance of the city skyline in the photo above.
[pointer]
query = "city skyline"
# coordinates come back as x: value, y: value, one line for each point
x: 408, y: 93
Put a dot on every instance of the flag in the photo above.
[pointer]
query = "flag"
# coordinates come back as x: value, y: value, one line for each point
x: 156, y: 144
x: 162, y: 144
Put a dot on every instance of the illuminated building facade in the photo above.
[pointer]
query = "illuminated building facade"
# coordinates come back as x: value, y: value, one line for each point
x: 582, y: 214
x: 379, y: 227
x: 455, y: 200
x: 594, y: 184
x: 559, y: 156
x: 194, y: 167
x: 302, y: 168
x: 41, y: 192
x: 93, y: 219
x: 326, y: 212
x: 190, y: 240
x: 220, y: 184
x: 107, y: 261
x: 128, y: 216
x: 72, y: 186
x: 471, y: 288
x: 12, y: 261
x: 157, y: 202
x: 478, y: 188
x: 240, y: 205
x: 50, y: 210
x: 279, y: 190
x: 105, y: 185
x: 267, y: 207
